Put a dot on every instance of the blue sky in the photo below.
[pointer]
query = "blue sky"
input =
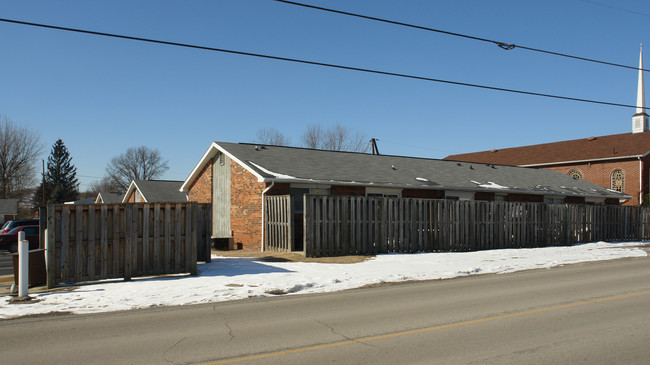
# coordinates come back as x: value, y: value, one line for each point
x: 103, y: 95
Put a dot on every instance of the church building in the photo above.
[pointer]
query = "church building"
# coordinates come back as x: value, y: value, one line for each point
x: 619, y: 162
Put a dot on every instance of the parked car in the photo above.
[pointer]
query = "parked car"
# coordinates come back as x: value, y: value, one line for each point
x: 9, y: 225
x: 9, y: 240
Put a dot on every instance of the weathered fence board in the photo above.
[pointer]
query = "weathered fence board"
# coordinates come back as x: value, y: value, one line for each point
x: 93, y: 242
x: 340, y: 225
x: 278, y: 223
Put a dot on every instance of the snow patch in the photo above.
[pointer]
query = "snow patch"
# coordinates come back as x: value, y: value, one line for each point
x: 230, y: 278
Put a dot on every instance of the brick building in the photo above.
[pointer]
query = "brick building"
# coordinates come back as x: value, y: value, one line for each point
x: 620, y: 162
x: 8, y: 210
x: 235, y: 178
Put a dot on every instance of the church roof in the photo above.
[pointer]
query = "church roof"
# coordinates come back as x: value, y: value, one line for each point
x: 615, y: 146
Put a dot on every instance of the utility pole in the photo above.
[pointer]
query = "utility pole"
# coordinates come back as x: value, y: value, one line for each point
x: 43, y: 184
x: 373, y: 144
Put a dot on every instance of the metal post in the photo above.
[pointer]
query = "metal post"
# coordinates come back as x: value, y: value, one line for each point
x: 23, y: 265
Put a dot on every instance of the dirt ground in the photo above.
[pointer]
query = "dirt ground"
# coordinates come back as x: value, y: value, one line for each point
x: 273, y: 256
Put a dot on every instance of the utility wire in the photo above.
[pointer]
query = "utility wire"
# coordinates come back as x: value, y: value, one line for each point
x: 315, y: 63
x: 502, y: 45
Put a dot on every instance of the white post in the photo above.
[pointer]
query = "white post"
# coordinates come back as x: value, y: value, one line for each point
x: 23, y: 265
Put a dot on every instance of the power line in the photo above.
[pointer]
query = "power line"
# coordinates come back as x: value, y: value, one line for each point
x: 315, y: 63
x: 616, y: 8
x: 502, y: 45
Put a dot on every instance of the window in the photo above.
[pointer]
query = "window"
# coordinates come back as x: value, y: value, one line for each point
x: 576, y: 174
x: 618, y: 180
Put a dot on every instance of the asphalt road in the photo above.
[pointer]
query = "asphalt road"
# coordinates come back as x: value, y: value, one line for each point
x: 595, y: 313
x: 6, y: 263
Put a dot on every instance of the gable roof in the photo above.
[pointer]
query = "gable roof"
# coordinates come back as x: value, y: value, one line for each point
x: 105, y: 197
x: 9, y: 206
x: 611, y: 147
x: 301, y: 165
x: 157, y: 191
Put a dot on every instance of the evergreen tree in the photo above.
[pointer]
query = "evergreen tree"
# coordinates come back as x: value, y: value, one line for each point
x: 61, y: 184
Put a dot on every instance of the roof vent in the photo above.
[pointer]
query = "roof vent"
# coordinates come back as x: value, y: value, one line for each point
x: 258, y: 148
x: 393, y: 167
x: 493, y: 150
x: 591, y: 138
x: 458, y: 164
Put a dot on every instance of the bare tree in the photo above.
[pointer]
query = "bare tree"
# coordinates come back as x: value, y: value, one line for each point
x: 19, y: 151
x: 106, y: 184
x: 272, y: 136
x: 335, y: 138
x: 137, y: 163
x: 313, y: 137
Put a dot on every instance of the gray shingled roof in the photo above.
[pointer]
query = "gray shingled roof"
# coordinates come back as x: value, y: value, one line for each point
x: 159, y: 191
x: 9, y: 206
x: 110, y: 198
x: 288, y: 164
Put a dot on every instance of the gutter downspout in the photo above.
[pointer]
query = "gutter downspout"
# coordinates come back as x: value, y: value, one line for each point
x: 640, y: 180
x: 263, y: 213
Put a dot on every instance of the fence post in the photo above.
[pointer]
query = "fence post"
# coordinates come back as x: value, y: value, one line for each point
x: 50, y: 248
x: 194, y: 241
x: 307, y: 226
x: 23, y: 265
x: 128, y: 241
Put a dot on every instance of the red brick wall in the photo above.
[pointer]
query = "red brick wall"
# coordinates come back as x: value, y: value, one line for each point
x: 201, y: 189
x: 348, y: 190
x: 423, y: 194
x: 525, y: 198
x: 245, y: 208
x: 279, y: 189
x: 484, y: 196
x: 601, y: 173
x: 574, y: 200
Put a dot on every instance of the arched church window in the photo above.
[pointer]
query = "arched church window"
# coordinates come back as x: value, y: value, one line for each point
x: 576, y: 174
x: 618, y: 180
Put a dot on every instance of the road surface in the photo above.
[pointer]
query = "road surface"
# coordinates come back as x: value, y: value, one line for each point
x: 595, y: 313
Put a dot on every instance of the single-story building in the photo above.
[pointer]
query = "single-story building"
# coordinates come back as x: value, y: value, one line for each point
x: 8, y: 210
x: 106, y: 197
x: 154, y: 191
x: 235, y: 178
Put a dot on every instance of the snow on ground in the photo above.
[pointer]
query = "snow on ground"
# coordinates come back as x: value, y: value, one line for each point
x: 230, y: 278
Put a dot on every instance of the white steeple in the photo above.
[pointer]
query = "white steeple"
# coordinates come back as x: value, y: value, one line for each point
x: 640, y: 119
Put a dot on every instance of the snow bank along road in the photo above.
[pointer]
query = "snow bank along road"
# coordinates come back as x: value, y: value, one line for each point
x: 590, y: 313
x: 230, y: 278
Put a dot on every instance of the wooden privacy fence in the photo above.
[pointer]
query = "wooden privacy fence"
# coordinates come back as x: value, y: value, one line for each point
x: 278, y: 223
x: 343, y: 225
x: 93, y: 242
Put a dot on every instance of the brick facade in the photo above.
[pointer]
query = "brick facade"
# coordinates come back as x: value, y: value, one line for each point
x: 279, y: 189
x: 423, y: 194
x: 574, y: 200
x: 601, y: 173
x: 522, y: 198
x: 485, y: 196
x: 245, y: 208
x: 246, y: 194
x: 348, y: 190
x: 201, y: 189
